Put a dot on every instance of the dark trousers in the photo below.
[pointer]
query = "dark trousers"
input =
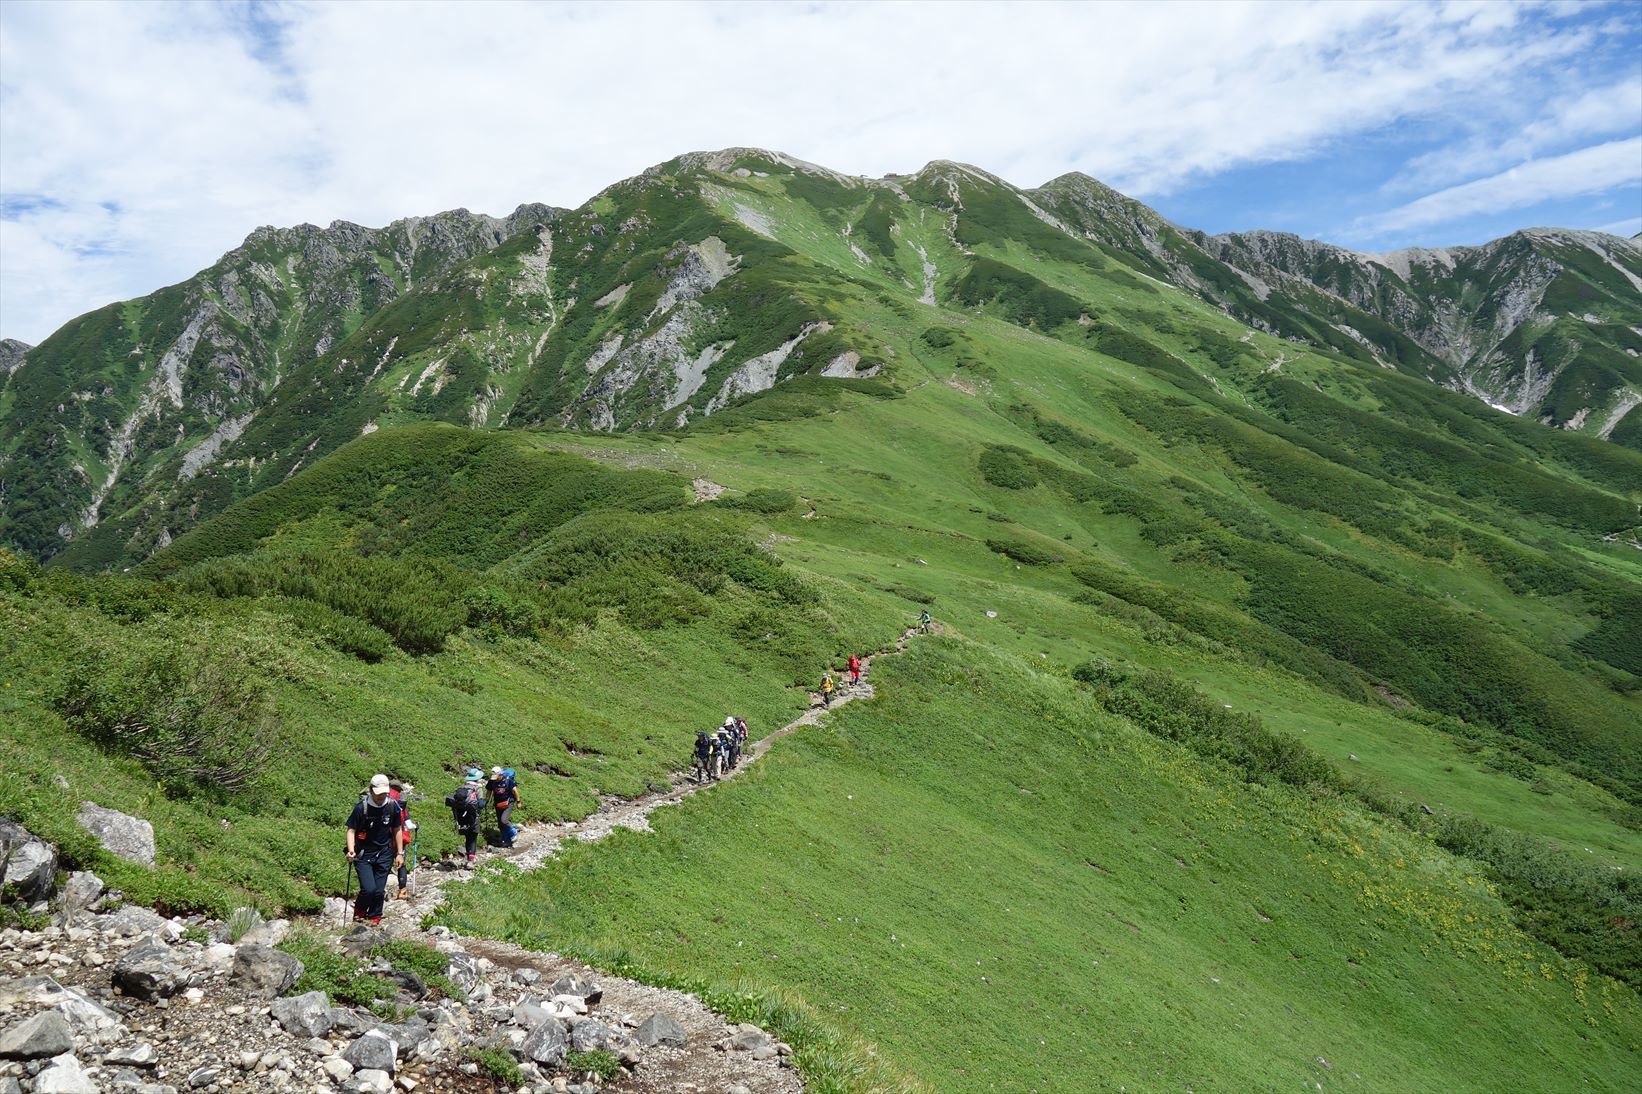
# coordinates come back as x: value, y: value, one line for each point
x: 471, y: 836
x: 504, y: 822
x: 373, y: 883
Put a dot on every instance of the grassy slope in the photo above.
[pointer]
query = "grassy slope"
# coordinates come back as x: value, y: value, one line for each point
x: 982, y: 848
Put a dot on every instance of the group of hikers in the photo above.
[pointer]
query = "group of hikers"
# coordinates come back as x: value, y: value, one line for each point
x: 382, y: 837
x: 718, y: 752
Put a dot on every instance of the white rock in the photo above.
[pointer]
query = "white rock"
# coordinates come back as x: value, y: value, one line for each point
x: 64, y: 1075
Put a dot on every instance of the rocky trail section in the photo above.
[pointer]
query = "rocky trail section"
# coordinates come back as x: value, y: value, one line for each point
x: 120, y: 998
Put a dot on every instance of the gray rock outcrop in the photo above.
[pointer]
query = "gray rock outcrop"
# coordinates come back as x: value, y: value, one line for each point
x: 373, y: 1052
x: 307, y: 1015
x: 659, y: 1029
x: 46, y: 1034
x: 546, y: 1044
x: 29, y: 862
x: 121, y: 835
x: 150, y: 971
x: 264, y: 971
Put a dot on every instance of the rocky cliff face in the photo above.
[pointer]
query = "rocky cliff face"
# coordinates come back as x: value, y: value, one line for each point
x: 152, y: 390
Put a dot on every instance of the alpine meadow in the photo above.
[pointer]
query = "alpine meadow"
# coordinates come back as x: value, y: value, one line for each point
x: 1280, y: 722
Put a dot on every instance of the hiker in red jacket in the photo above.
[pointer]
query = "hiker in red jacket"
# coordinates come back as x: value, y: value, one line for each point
x: 855, y: 668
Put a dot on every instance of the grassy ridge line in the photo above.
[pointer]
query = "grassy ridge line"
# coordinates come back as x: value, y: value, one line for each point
x: 1117, y: 910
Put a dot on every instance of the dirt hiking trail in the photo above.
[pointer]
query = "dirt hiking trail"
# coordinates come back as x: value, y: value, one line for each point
x: 536, y: 843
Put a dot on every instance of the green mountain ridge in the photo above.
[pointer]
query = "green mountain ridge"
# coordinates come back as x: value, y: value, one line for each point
x: 700, y: 283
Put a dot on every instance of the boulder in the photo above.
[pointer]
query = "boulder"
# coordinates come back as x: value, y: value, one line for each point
x: 264, y: 971
x: 750, y: 1038
x: 406, y: 1036
x: 84, y: 1015
x: 659, y: 1029
x: 353, y: 1021
x: 121, y: 835
x: 582, y: 988
x: 81, y: 892
x: 141, y: 1054
x: 593, y: 1035
x: 360, y: 941
x: 307, y: 1015
x: 337, y: 1068
x: 546, y: 1043
x: 131, y: 920
x: 46, y: 1034
x: 464, y: 971
x: 64, y: 1075
x: 371, y: 1080
x: 529, y: 1015
x: 202, y: 1077
x: 271, y: 933
x: 373, y: 1051
x: 409, y: 982
x: 150, y: 971
x: 27, y: 863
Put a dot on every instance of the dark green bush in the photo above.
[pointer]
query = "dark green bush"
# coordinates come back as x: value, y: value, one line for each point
x: 1027, y: 554
x: 763, y: 500
x: 188, y: 711
x: 416, y: 602
x: 1009, y: 467
x: 1169, y: 707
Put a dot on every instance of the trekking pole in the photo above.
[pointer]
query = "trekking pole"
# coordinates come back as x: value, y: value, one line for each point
x: 347, y: 894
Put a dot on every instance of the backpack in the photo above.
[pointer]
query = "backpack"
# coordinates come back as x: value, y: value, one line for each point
x: 464, y: 807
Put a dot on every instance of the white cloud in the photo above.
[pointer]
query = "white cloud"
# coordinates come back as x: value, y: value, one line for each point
x: 1523, y: 128
x: 1590, y: 170
x: 1627, y: 227
x: 198, y: 123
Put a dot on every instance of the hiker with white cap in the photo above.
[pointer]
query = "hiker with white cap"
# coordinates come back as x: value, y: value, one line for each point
x: 375, y: 846
x: 504, y: 795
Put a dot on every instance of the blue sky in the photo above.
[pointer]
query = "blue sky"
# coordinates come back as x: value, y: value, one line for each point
x: 138, y: 142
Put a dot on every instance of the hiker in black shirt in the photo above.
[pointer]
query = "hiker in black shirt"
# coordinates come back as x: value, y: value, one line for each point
x: 375, y: 847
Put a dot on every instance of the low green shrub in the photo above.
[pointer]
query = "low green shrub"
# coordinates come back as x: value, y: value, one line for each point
x: 1009, y: 467
x: 187, y: 710
x: 766, y: 501
x: 1027, y: 554
x: 599, y: 1062
x: 498, y: 1065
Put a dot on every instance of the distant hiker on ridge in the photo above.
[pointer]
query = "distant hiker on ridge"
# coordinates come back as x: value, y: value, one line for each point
x: 375, y: 843
x: 855, y: 669
x: 924, y: 621
x: 827, y: 688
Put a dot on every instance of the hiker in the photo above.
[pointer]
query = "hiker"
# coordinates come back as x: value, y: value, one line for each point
x: 827, y: 688
x: 399, y: 792
x: 503, y: 792
x: 720, y: 756
x: 741, y: 730
x: 375, y: 842
x: 732, y: 740
x: 925, y: 621
x: 855, y: 669
x: 704, y: 757
x: 464, y: 805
